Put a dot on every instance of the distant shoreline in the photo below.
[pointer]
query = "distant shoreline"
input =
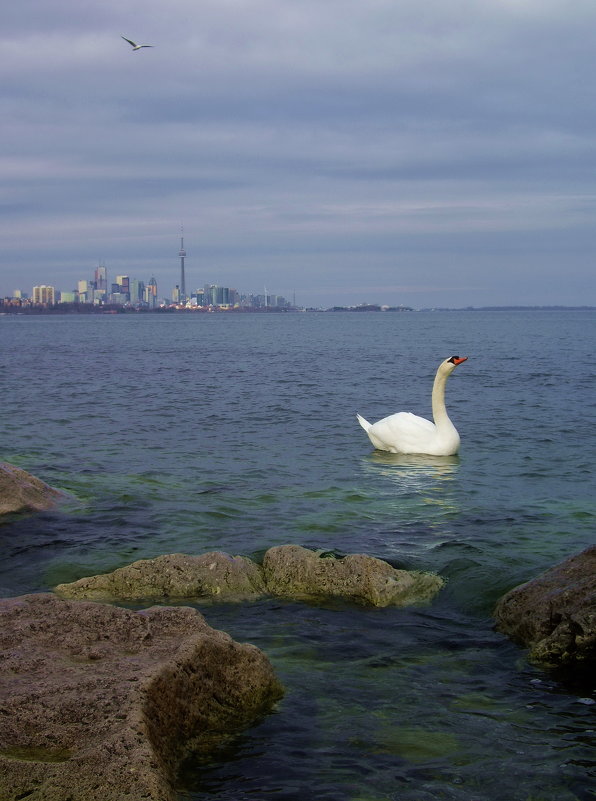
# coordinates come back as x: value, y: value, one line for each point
x: 514, y: 308
x: 87, y: 309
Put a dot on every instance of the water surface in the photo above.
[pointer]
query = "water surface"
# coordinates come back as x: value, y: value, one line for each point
x: 188, y: 433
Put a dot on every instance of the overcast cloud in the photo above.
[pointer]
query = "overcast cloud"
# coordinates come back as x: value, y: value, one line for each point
x: 347, y: 151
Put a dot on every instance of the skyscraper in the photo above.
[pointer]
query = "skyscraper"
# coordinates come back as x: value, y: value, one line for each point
x: 137, y: 290
x: 151, y: 293
x: 101, y: 278
x: 123, y: 282
x: 182, y: 255
x: 45, y: 295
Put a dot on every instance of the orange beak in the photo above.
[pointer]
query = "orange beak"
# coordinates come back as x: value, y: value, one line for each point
x: 459, y: 361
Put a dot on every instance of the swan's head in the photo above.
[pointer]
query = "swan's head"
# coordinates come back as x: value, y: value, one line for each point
x: 449, y: 365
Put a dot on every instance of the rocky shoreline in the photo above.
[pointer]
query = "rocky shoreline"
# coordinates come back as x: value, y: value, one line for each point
x: 101, y: 702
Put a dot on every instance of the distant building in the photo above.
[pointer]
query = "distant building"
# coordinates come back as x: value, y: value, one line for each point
x: 182, y: 254
x: 278, y: 301
x: 137, y: 290
x: 69, y: 297
x: 44, y: 295
x: 214, y: 295
x: 123, y: 287
x: 86, y: 291
x: 101, y: 278
x: 150, y: 293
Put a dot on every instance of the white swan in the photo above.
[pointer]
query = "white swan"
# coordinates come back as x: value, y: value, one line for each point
x: 134, y: 45
x: 407, y: 433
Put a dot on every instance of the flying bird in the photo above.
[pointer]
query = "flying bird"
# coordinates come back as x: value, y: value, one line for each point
x: 134, y: 45
x: 407, y: 433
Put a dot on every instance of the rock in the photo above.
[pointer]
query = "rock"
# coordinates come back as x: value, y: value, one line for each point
x: 233, y: 578
x: 294, y: 572
x: 102, y: 703
x: 288, y: 570
x: 555, y: 614
x: 22, y: 492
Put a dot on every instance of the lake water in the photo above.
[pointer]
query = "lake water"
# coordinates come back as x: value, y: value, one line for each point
x: 189, y: 433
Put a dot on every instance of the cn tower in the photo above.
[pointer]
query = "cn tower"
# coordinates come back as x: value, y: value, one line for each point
x: 182, y: 255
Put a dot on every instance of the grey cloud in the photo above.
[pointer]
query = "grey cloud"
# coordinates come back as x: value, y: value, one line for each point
x: 302, y: 138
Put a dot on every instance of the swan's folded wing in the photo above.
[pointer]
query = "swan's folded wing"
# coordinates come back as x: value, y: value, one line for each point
x: 404, y: 431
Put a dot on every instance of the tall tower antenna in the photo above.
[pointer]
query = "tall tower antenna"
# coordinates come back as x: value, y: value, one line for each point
x: 182, y: 255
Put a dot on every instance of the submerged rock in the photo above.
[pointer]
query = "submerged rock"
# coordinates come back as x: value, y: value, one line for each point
x: 554, y: 615
x: 295, y: 572
x: 175, y: 575
x: 22, y: 492
x: 288, y: 570
x: 102, y: 703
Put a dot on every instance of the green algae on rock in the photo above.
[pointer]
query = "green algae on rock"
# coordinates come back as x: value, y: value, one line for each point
x: 288, y: 571
x: 295, y: 572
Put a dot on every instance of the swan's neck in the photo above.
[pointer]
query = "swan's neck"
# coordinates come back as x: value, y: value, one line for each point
x: 440, y: 415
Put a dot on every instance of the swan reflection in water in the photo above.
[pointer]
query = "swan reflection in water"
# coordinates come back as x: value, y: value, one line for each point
x: 401, y: 465
x: 417, y: 473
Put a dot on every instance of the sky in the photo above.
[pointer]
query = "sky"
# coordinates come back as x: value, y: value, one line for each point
x: 333, y: 151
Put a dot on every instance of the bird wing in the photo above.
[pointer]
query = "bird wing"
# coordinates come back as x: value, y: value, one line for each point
x: 404, y: 431
x: 130, y: 41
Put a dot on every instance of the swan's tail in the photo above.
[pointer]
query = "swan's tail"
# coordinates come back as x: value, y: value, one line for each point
x: 364, y: 423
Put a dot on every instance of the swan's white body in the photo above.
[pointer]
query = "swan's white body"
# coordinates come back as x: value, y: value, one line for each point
x: 405, y: 432
x: 134, y: 45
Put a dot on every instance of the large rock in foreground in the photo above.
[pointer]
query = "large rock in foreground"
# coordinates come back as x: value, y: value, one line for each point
x: 289, y: 571
x: 102, y: 703
x: 554, y: 615
x: 22, y: 492
x: 295, y: 572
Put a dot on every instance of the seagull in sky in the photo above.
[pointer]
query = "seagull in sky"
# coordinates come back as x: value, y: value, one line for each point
x: 134, y: 45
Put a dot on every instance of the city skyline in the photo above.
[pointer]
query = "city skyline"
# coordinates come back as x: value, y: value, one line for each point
x: 101, y: 289
x: 131, y: 291
x: 348, y: 152
x: 127, y: 290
